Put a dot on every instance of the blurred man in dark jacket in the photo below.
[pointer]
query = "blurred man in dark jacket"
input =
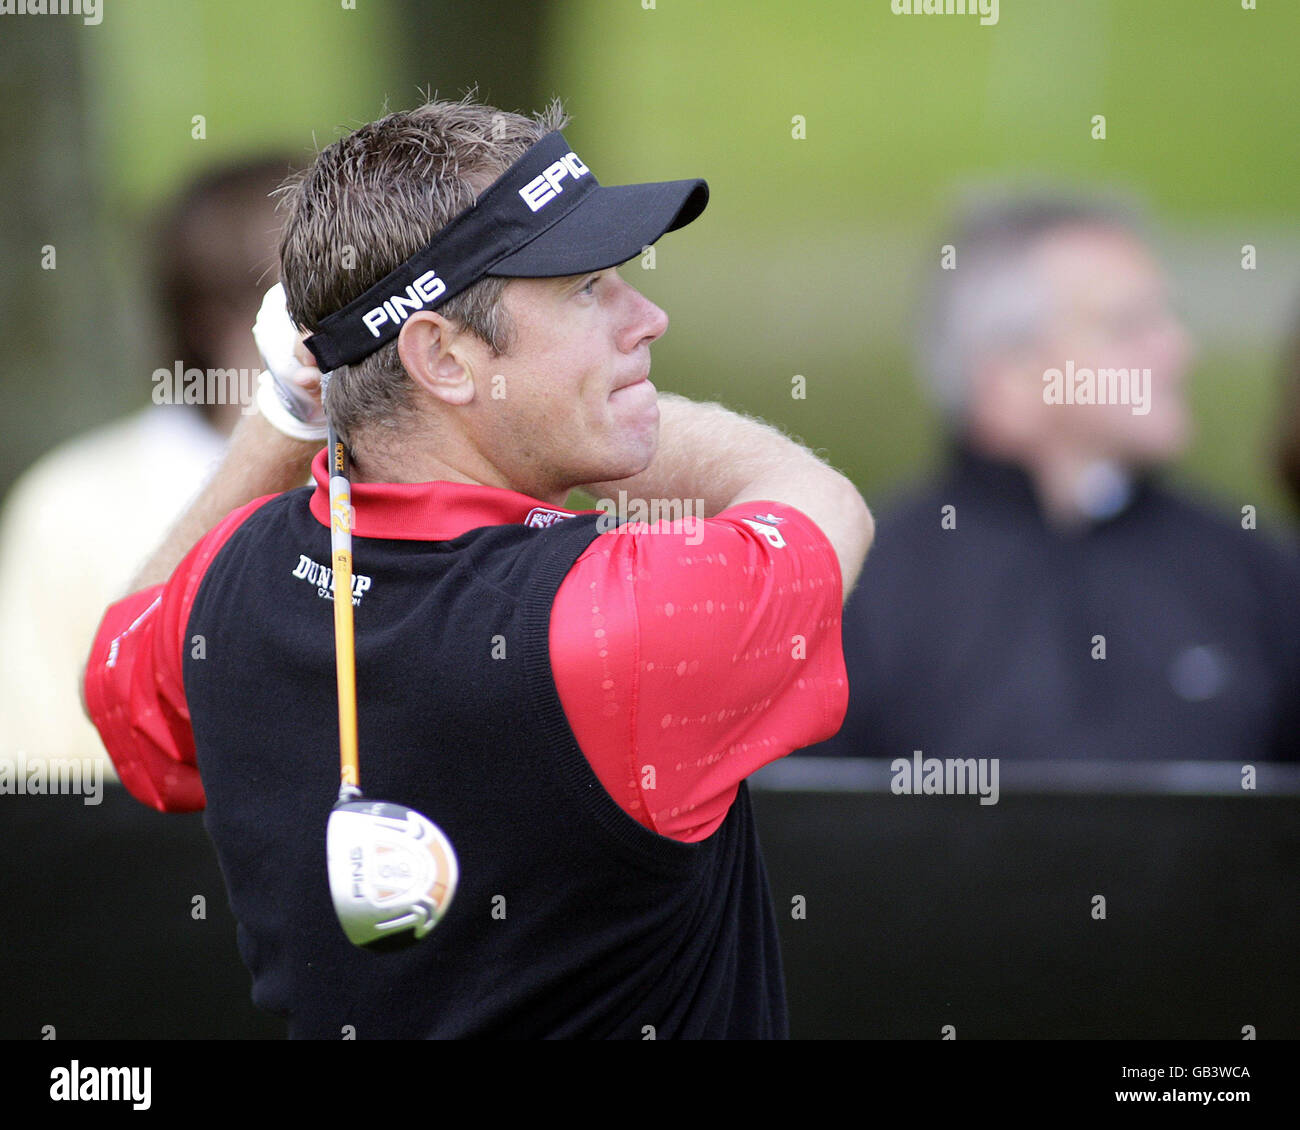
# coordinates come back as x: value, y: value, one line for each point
x: 1044, y: 596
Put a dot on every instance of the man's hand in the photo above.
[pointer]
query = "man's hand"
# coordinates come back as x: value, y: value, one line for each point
x: 289, y: 392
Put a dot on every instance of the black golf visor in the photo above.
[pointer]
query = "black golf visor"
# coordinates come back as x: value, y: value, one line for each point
x: 544, y: 217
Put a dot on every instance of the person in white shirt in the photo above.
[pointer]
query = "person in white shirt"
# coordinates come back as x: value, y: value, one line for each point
x: 78, y: 523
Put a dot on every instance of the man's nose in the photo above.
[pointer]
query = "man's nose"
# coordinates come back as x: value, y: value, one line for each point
x: 646, y: 321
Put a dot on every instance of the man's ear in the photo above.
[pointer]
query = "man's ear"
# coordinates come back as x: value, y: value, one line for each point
x: 433, y: 352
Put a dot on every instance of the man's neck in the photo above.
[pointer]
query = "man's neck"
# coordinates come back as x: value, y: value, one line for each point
x: 412, y: 459
x: 1076, y: 489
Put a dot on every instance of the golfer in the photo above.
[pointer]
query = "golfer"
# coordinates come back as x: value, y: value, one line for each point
x: 576, y: 704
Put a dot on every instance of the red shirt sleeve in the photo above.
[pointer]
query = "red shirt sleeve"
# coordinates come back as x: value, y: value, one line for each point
x: 134, y: 684
x: 689, y: 654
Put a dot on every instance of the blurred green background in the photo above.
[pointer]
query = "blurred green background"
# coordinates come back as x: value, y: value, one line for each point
x: 808, y: 257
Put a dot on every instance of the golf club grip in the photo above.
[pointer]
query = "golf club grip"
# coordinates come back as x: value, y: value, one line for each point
x: 344, y: 644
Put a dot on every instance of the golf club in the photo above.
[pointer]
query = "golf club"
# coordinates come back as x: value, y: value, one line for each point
x: 392, y: 872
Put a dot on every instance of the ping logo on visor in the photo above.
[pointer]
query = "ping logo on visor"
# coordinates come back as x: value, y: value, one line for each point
x: 545, y: 217
x: 427, y: 288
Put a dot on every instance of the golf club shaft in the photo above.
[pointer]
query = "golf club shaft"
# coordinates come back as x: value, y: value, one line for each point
x: 344, y: 645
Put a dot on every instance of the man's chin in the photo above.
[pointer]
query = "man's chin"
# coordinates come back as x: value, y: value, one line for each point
x: 637, y: 405
x: 627, y: 464
x: 640, y: 444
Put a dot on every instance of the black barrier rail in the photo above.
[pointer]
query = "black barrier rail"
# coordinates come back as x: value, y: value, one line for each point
x: 116, y: 926
x: 1155, y: 778
x: 901, y: 916
x: 1091, y: 901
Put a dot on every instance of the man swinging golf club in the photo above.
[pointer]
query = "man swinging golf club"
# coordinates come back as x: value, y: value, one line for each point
x: 575, y: 707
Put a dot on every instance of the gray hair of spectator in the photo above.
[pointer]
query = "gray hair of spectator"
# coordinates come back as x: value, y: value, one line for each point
x: 372, y: 200
x: 991, y: 299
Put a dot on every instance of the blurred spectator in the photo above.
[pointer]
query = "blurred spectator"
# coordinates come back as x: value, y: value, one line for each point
x: 78, y: 524
x: 1044, y: 596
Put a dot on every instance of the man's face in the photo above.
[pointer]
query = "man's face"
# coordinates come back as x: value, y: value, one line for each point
x: 1112, y: 311
x: 571, y: 402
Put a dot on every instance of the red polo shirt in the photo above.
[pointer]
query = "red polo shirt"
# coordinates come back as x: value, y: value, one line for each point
x: 686, y: 654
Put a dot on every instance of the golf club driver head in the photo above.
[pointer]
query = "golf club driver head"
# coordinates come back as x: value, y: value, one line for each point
x: 392, y: 873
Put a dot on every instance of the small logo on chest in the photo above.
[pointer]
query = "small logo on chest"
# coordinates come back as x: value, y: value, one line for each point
x: 539, y: 517
x: 322, y: 576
